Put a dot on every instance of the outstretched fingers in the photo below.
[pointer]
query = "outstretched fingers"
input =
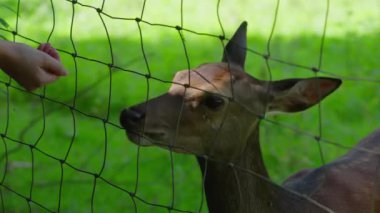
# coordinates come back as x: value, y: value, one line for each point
x: 52, y: 63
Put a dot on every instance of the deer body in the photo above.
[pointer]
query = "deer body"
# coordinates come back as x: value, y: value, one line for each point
x: 351, y: 183
x: 215, y: 110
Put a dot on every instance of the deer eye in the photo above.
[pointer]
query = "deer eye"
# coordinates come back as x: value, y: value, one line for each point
x: 213, y: 102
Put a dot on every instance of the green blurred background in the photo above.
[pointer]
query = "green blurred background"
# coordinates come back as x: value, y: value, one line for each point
x: 351, y: 51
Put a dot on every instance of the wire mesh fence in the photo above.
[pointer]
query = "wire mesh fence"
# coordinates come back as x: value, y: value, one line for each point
x: 63, y: 149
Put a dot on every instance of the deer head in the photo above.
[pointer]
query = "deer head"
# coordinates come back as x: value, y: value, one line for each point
x: 214, y: 108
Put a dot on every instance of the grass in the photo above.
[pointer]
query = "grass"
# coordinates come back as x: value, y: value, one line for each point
x: 351, y: 51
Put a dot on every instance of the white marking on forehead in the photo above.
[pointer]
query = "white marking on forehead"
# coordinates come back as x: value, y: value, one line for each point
x: 210, y: 77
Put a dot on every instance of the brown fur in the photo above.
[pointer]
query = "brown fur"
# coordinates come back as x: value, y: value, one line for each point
x: 236, y: 179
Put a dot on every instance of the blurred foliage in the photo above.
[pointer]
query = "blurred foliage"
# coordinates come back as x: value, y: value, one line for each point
x: 4, y: 23
x: 351, y: 52
x: 4, y: 8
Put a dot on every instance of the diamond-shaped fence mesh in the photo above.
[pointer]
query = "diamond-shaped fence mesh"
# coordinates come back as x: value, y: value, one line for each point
x: 64, y: 150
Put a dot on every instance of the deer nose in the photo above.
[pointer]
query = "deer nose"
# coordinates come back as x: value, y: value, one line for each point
x: 131, y: 116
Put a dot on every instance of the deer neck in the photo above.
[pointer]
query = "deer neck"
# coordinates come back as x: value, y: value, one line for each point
x: 245, y: 186
x: 229, y: 189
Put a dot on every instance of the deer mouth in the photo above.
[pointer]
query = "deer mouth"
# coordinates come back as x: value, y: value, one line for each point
x: 156, y: 136
x: 137, y: 138
x: 157, y: 139
x: 146, y: 138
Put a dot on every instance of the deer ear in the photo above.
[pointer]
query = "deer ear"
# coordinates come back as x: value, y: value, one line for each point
x: 294, y: 95
x: 235, y: 49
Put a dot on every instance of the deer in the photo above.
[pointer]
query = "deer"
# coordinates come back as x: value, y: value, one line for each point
x: 214, y: 112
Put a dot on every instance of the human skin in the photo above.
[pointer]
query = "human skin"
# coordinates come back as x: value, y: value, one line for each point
x: 31, y: 68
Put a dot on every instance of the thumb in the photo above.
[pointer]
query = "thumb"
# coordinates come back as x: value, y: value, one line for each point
x: 53, y: 66
x: 46, y: 78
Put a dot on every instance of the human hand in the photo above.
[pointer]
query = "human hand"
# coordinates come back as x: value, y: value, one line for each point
x: 30, y: 67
